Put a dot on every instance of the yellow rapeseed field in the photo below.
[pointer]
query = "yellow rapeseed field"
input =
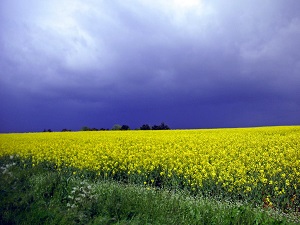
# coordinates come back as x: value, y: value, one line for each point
x: 255, y: 162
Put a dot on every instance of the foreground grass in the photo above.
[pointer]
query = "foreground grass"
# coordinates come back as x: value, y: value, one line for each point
x: 43, y: 195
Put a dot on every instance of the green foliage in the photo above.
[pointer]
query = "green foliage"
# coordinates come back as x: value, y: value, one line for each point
x: 85, y: 128
x: 125, y: 127
x: 43, y: 195
x: 116, y: 127
x: 145, y: 127
x: 162, y: 126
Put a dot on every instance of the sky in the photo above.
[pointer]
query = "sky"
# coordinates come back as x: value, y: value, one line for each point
x: 188, y: 63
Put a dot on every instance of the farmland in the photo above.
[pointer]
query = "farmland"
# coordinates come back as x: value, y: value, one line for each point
x: 259, y: 166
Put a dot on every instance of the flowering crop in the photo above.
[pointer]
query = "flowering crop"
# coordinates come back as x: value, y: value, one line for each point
x: 260, y: 164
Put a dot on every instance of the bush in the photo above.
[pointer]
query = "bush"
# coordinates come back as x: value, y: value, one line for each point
x: 125, y: 127
x: 116, y: 127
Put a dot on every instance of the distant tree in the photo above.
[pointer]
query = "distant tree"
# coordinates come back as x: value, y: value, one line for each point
x: 102, y: 129
x: 155, y: 127
x: 145, y: 127
x: 94, y: 129
x: 162, y: 126
x: 85, y: 128
x: 65, y: 130
x: 116, y: 127
x: 45, y: 130
x: 125, y: 127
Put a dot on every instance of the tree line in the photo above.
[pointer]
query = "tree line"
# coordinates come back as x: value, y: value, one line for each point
x: 162, y: 126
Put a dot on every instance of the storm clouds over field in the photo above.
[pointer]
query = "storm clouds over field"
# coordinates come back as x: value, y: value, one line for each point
x: 189, y: 63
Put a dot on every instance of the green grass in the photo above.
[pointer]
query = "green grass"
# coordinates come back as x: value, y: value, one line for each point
x: 43, y: 195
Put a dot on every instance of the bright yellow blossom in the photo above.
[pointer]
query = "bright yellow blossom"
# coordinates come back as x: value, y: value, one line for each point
x: 235, y: 160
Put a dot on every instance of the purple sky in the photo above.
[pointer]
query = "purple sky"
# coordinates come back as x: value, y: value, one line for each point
x: 189, y: 63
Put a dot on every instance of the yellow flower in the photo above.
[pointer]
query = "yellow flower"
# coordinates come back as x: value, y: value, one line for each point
x: 244, y: 159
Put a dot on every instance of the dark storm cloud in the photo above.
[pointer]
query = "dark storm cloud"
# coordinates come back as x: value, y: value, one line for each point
x: 188, y: 63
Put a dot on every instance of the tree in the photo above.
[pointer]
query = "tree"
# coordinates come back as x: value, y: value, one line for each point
x: 85, y: 128
x: 145, y: 127
x: 155, y: 127
x: 162, y: 126
x: 116, y: 127
x: 125, y: 127
x: 65, y: 130
x: 49, y: 130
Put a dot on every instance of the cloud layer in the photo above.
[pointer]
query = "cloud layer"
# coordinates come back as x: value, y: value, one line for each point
x: 189, y: 63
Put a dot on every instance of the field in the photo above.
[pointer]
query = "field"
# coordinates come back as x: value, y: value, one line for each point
x: 257, y: 166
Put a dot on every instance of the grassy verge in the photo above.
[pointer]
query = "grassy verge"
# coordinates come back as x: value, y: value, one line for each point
x: 43, y: 195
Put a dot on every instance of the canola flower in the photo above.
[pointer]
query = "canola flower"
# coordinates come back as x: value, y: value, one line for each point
x: 259, y: 162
